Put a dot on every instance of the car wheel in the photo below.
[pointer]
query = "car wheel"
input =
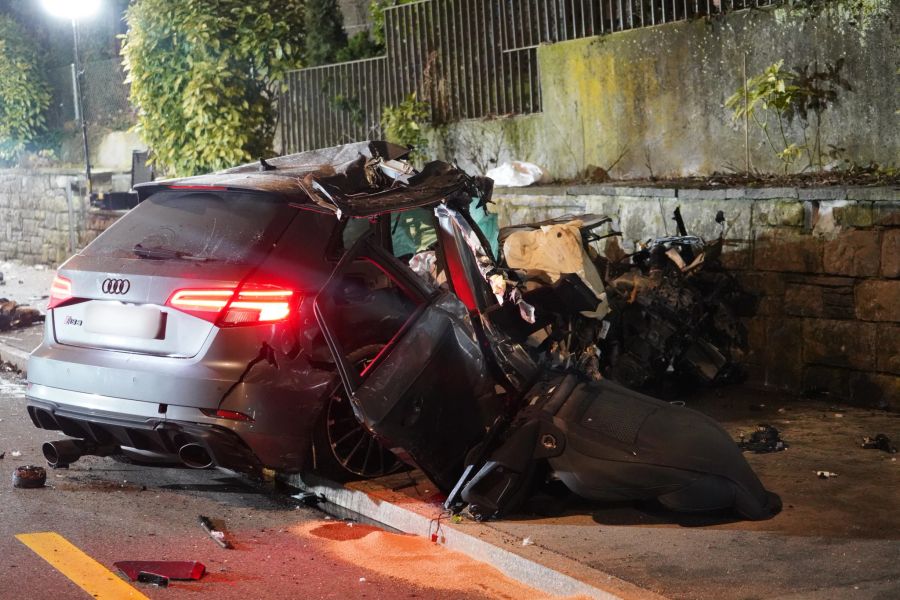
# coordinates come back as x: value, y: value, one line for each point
x: 343, y: 448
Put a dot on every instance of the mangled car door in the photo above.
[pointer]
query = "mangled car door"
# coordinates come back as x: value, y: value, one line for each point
x: 427, y: 394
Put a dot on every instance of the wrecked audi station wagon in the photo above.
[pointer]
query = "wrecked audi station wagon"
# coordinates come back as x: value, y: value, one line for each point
x: 270, y: 316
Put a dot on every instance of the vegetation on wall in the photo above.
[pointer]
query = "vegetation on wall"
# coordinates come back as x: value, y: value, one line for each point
x: 779, y: 98
x: 205, y: 75
x: 24, y: 94
x: 403, y: 124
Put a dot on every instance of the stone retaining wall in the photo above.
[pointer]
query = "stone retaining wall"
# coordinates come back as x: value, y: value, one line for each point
x: 825, y: 263
x: 34, y: 215
x: 651, y: 101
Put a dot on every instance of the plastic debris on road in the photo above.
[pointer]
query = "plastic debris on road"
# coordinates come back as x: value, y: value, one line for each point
x: 29, y: 477
x: 216, y: 535
x: 153, y: 579
x: 171, y: 569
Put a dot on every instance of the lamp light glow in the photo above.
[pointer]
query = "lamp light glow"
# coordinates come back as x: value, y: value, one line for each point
x: 71, y: 9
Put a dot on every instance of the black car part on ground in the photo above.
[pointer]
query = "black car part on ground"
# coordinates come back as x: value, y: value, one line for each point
x: 608, y: 443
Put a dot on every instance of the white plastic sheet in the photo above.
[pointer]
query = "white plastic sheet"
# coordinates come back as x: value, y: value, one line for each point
x: 516, y: 174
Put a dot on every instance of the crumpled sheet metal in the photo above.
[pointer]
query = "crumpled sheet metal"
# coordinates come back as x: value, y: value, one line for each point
x: 436, y: 182
x: 425, y: 265
x: 553, y: 249
x: 288, y: 169
x: 452, y: 222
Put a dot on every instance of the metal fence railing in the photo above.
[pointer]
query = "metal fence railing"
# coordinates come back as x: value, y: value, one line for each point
x: 105, y: 95
x: 533, y: 22
x: 466, y: 58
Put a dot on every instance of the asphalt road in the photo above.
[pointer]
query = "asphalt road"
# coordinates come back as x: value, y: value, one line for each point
x: 112, y: 512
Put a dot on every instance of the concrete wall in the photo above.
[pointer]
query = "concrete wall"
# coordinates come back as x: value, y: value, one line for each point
x: 110, y: 150
x: 653, y: 98
x: 35, y: 216
x: 356, y: 15
x: 825, y: 263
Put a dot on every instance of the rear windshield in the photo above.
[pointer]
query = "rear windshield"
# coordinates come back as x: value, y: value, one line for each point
x: 229, y: 227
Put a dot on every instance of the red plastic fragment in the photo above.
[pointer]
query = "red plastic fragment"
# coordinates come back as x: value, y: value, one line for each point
x: 173, y: 569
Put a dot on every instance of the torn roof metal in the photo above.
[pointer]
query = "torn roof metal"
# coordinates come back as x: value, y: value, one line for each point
x: 358, y: 180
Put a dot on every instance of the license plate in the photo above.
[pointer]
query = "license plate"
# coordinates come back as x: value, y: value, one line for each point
x: 113, y: 318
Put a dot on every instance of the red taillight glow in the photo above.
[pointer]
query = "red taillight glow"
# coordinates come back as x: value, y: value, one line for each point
x: 231, y: 415
x: 60, y: 291
x: 259, y: 306
x: 207, y: 302
x: 249, y: 305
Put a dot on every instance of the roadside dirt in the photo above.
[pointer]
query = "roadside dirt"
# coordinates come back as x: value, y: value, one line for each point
x: 414, y: 558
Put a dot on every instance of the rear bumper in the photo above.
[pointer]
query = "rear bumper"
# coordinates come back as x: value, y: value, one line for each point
x: 155, y: 436
x: 146, y: 402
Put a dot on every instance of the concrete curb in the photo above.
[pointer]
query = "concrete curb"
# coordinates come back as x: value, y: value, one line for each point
x: 422, y: 519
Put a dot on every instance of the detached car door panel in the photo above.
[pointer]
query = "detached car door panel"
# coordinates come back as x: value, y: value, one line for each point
x: 427, y: 395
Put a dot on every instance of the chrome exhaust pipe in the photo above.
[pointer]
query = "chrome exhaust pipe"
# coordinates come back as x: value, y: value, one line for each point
x: 61, y: 453
x: 195, y: 456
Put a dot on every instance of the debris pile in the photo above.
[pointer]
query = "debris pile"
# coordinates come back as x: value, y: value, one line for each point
x: 14, y: 315
x: 667, y: 308
x: 765, y: 439
x: 29, y: 477
x: 879, y: 442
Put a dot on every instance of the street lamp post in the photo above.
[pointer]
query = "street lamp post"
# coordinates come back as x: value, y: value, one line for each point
x: 76, y: 10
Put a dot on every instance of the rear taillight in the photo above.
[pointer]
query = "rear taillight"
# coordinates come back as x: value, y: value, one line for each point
x: 231, y: 415
x: 259, y: 306
x: 60, y: 291
x: 206, y: 304
x: 226, y: 307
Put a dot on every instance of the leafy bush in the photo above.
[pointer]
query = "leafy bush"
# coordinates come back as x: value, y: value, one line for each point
x: 402, y: 124
x: 788, y: 96
x: 204, y: 76
x: 359, y: 46
x: 24, y: 94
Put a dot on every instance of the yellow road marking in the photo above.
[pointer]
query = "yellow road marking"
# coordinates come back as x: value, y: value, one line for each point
x: 84, y: 571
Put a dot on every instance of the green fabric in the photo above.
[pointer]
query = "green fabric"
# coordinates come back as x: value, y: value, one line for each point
x: 487, y: 223
x: 412, y: 230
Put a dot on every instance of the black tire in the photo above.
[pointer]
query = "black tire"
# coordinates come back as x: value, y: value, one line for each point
x: 343, y: 449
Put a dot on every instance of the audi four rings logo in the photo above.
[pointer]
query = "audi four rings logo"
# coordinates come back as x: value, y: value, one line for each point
x: 115, y: 286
